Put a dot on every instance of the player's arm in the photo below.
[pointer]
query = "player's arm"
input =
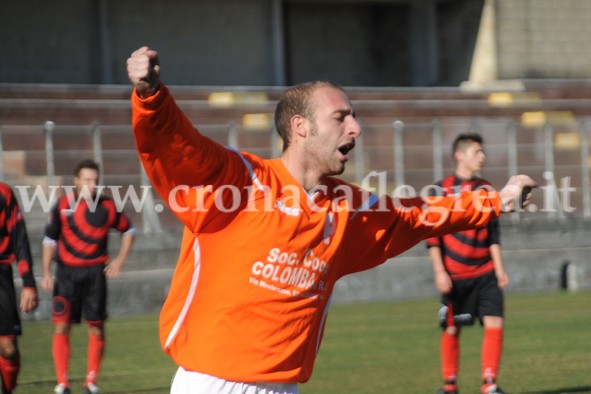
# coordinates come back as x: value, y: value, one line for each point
x: 48, y: 247
x: 184, y: 166
x: 497, y: 258
x: 438, y: 215
x: 494, y: 245
x: 29, y: 299
x: 113, y: 269
x: 404, y: 222
x: 442, y: 279
x: 391, y: 226
x: 47, y: 253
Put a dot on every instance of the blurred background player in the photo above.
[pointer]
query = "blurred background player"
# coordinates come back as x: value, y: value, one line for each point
x: 469, y: 273
x: 76, y: 236
x: 14, y: 246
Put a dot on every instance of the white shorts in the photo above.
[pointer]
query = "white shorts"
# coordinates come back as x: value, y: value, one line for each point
x: 187, y: 382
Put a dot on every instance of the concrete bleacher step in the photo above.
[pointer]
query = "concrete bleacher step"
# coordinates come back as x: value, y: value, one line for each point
x: 546, y: 88
x: 373, y: 112
x: 87, y: 104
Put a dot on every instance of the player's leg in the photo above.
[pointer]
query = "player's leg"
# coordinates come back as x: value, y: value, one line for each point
x: 61, y: 351
x: 449, y: 349
x: 450, y: 340
x: 95, y: 313
x: 65, y: 310
x: 492, y: 312
x: 492, y: 347
x: 95, y: 351
x: 9, y: 362
x: 458, y: 310
x: 10, y: 328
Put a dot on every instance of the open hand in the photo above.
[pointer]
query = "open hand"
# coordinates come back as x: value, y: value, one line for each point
x: 517, y: 190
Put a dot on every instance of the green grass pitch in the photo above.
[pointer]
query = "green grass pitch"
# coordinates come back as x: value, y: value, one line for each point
x: 386, y: 347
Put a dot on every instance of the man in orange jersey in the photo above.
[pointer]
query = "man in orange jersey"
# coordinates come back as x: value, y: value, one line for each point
x: 469, y: 273
x: 14, y: 247
x: 265, y: 240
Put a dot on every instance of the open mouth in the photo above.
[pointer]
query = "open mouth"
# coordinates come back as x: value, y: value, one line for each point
x: 346, y: 148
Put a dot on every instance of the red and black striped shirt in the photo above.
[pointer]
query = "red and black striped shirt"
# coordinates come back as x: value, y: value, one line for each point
x: 81, y: 230
x: 466, y: 254
x: 14, y: 241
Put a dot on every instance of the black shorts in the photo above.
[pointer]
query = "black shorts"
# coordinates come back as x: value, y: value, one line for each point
x: 10, y: 322
x: 471, y: 298
x: 77, y: 291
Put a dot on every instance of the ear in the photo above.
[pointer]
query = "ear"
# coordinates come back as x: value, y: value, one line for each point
x: 458, y: 155
x: 299, y: 125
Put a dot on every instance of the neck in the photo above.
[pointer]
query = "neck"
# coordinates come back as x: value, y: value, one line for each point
x: 464, y: 173
x: 307, y: 178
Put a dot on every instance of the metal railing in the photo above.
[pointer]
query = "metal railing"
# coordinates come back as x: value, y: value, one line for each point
x: 400, y: 158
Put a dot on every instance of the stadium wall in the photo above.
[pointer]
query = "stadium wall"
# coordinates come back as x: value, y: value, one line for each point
x: 247, y: 42
x: 543, y: 38
x: 250, y: 42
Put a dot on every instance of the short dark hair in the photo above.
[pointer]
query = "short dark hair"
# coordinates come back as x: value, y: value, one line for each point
x: 461, y: 140
x: 296, y: 101
x: 86, y: 163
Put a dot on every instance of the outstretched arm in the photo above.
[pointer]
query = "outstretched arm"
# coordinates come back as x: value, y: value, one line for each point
x: 182, y: 164
x: 405, y: 222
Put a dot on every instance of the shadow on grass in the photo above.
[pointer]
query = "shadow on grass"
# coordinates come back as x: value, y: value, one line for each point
x: 566, y: 390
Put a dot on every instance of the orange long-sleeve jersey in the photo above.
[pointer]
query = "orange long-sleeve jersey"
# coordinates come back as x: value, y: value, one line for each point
x: 260, y: 256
